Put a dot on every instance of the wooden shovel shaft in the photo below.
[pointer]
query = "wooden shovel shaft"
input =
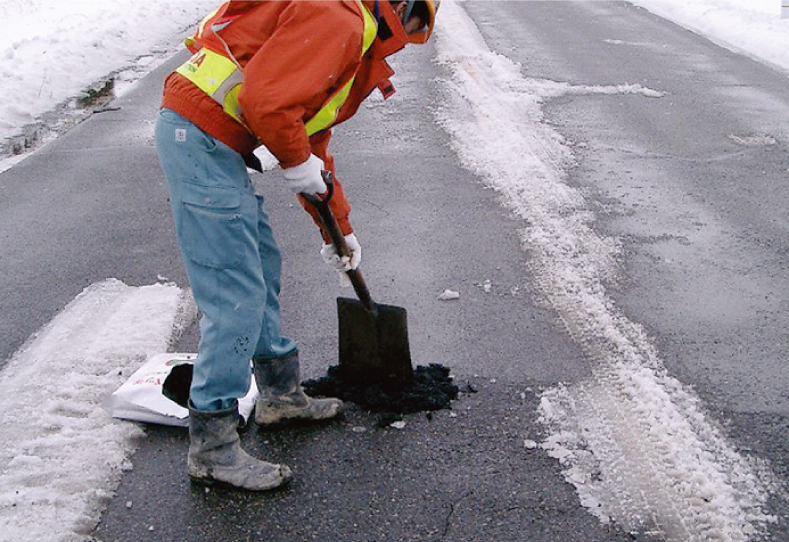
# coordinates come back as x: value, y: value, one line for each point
x: 338, y: 240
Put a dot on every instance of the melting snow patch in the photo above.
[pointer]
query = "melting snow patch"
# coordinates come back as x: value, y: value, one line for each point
x: 61, y: 453
x: 641, y: 452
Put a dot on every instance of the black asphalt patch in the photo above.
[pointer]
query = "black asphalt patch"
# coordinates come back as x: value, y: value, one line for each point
x: 431, y: 389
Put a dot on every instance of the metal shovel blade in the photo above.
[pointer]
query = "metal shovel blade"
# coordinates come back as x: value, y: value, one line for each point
x: 374, y: 344
x: 373, y: 338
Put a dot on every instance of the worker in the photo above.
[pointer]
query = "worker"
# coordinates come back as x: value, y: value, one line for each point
x: 277, y: 74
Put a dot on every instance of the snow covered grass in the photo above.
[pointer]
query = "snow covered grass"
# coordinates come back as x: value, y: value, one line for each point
x: 62, y: 454
x: 634, y: 441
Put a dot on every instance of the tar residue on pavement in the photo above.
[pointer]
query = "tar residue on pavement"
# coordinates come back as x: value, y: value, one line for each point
x: 431, y: 389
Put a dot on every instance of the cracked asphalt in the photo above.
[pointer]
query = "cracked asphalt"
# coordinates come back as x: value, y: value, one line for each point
x: 462, y: 475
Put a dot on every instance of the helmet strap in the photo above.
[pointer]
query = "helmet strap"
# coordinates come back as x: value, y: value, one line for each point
x: 407, y: 14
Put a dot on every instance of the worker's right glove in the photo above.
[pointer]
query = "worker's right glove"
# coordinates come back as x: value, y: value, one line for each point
x: 343, y: 264
x: 306, y: 177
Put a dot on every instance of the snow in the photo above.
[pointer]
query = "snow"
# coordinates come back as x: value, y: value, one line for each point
x: 448, y: 295
x: 62, y: 455
x: 53, y: 50
x: 753, y: 27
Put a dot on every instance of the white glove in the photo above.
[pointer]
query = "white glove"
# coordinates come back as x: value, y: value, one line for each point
x: 333, y: 260
x: 306, y: 177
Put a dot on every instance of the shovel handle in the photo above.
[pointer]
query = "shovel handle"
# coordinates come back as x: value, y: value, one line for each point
x: 338, y: 240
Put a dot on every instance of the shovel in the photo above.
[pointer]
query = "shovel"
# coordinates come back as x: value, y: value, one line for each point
x: 373, y: 337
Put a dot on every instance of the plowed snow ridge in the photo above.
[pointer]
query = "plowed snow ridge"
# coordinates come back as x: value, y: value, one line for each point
x: 634, y: 441
x: 61, y: 454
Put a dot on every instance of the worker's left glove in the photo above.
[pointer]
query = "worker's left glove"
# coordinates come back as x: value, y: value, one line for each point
x: 343, y: 264
x: 306, y: 177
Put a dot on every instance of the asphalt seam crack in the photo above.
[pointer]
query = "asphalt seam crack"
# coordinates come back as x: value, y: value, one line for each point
x: 452, y: 506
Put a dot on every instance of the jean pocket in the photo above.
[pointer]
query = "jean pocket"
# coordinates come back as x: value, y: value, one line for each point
x: 211, y: 228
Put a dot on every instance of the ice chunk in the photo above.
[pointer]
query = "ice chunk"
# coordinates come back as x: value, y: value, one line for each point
x: 448, y: 295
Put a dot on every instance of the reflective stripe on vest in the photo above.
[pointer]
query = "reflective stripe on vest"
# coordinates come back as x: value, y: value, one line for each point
x: 201, y: 26
x: 221, y: 78
x: 217, y: 76
x: 328, y: 113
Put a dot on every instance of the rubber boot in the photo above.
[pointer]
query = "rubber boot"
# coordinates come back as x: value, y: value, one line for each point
x: 281, y: 397
x: 215, y: 454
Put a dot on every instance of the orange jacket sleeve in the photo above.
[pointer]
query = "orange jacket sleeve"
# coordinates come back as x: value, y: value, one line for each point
x: 339, y: 203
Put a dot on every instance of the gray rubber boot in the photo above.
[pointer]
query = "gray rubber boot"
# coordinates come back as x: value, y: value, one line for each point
x: 215, y: 454
x: 281, y: 397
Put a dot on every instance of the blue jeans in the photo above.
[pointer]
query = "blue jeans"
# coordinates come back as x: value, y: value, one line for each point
x: 230, y: 256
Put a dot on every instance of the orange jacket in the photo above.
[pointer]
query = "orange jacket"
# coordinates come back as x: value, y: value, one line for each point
x: 295, y: 54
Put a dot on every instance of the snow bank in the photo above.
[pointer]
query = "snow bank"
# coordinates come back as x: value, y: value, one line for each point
x: 52, y: 50
x: 753, y: 27
x: 61, y: 454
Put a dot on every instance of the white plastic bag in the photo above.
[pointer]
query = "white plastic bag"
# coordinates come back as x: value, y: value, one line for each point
x: 140, y: 398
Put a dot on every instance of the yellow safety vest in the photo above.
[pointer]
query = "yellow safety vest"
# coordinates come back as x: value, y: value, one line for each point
x: 221, y: 78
